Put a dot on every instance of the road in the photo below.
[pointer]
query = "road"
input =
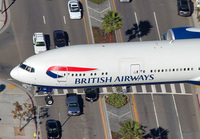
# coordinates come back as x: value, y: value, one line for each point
x: 87, y: 125
x: 147, y: 21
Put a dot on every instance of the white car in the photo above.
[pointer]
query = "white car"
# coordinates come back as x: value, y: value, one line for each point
x: 74, y: 9
x: 39, y: 42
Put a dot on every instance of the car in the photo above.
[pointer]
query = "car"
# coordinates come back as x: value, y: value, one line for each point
x: 53, y: 129
x: 72, y: 103
x: 184, y: 7
x: 91, y: 94
x: 39, y: 42
x: 59, y: 38
x: 74, y: 9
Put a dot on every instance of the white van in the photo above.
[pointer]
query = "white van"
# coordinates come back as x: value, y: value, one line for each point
x: 39, y: 42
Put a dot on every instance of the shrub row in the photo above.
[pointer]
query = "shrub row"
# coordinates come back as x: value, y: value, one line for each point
x: 116, y: 100
x: 97, y: 1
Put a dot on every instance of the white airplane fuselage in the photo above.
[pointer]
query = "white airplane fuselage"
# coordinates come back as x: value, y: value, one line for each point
x: 113, y: 64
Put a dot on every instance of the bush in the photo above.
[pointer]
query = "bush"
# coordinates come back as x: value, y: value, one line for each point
x: 116, y: 100
x: 97, y: 1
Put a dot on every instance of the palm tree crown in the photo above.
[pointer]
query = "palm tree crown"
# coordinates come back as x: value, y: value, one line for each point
x: 111, y: 21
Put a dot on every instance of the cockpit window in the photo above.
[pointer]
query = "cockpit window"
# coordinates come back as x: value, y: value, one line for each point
x: 27, y: 68
x: 32, y: 70
x: 22, y: 66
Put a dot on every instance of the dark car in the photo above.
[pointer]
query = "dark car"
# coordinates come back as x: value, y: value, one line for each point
x: 53, y: 129
x: 184, y: 8
x: 91, y: 94
x: 59, y: 38
x: 72, y: 103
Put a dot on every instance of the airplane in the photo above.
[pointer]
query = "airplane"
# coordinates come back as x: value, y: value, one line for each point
x: 113, y: 64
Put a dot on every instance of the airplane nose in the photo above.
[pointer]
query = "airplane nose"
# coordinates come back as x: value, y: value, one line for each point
x: 14, y: 73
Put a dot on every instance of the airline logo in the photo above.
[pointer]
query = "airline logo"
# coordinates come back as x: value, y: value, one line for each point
x: 118, y: 79
x: 57, y: 71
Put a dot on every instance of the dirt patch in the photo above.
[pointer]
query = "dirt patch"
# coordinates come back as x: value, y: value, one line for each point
x: 116, y: 135
x: 18, y: 132
x: 101, y: 37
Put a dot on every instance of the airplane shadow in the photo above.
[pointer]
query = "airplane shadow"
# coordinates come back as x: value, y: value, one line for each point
x: 138, y: 31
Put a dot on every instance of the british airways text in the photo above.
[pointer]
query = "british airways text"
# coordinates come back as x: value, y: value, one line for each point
x: 111, y: 79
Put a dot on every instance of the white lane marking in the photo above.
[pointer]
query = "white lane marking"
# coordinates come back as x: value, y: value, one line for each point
x: 44, y: 19
x: 156, y: 116
x: 137, y: 25
x: 9, y: 79
x: 137, y: 93
x: 154, y: 14
x: 177, y: 116
x: 59, y: 117
x: 64, y: 19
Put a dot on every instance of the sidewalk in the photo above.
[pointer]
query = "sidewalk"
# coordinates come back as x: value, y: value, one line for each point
x: 9, y: 95
x: 3, y: 16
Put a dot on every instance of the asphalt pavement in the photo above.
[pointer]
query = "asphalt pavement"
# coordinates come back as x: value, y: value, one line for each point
x: 10, y: 92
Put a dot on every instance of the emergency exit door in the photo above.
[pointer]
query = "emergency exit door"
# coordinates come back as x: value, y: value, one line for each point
x: 61, y: 74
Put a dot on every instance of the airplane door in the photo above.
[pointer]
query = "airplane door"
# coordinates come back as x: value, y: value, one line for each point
x: 61, y: 74
x: 135, y: 69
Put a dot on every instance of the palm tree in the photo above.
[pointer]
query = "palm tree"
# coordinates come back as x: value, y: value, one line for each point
x: 131, y: 130
x: 111, y: 21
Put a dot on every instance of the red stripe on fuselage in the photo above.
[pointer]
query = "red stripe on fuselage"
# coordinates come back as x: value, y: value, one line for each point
x: 73, y: 69
x: 56, y: 68
x: 79, y: 69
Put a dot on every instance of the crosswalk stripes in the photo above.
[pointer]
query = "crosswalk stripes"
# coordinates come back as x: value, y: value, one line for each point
x: 55, y: 91
x: 65, y: 91
x: 134, y: 89
x: 104, y: 89
x: 144, y: 88
x: 182, y: 88
x: 75, y: 91
x: 173, y: 88
x: 141, y: 89
x: 153, y: 88
x: 163, y: 88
